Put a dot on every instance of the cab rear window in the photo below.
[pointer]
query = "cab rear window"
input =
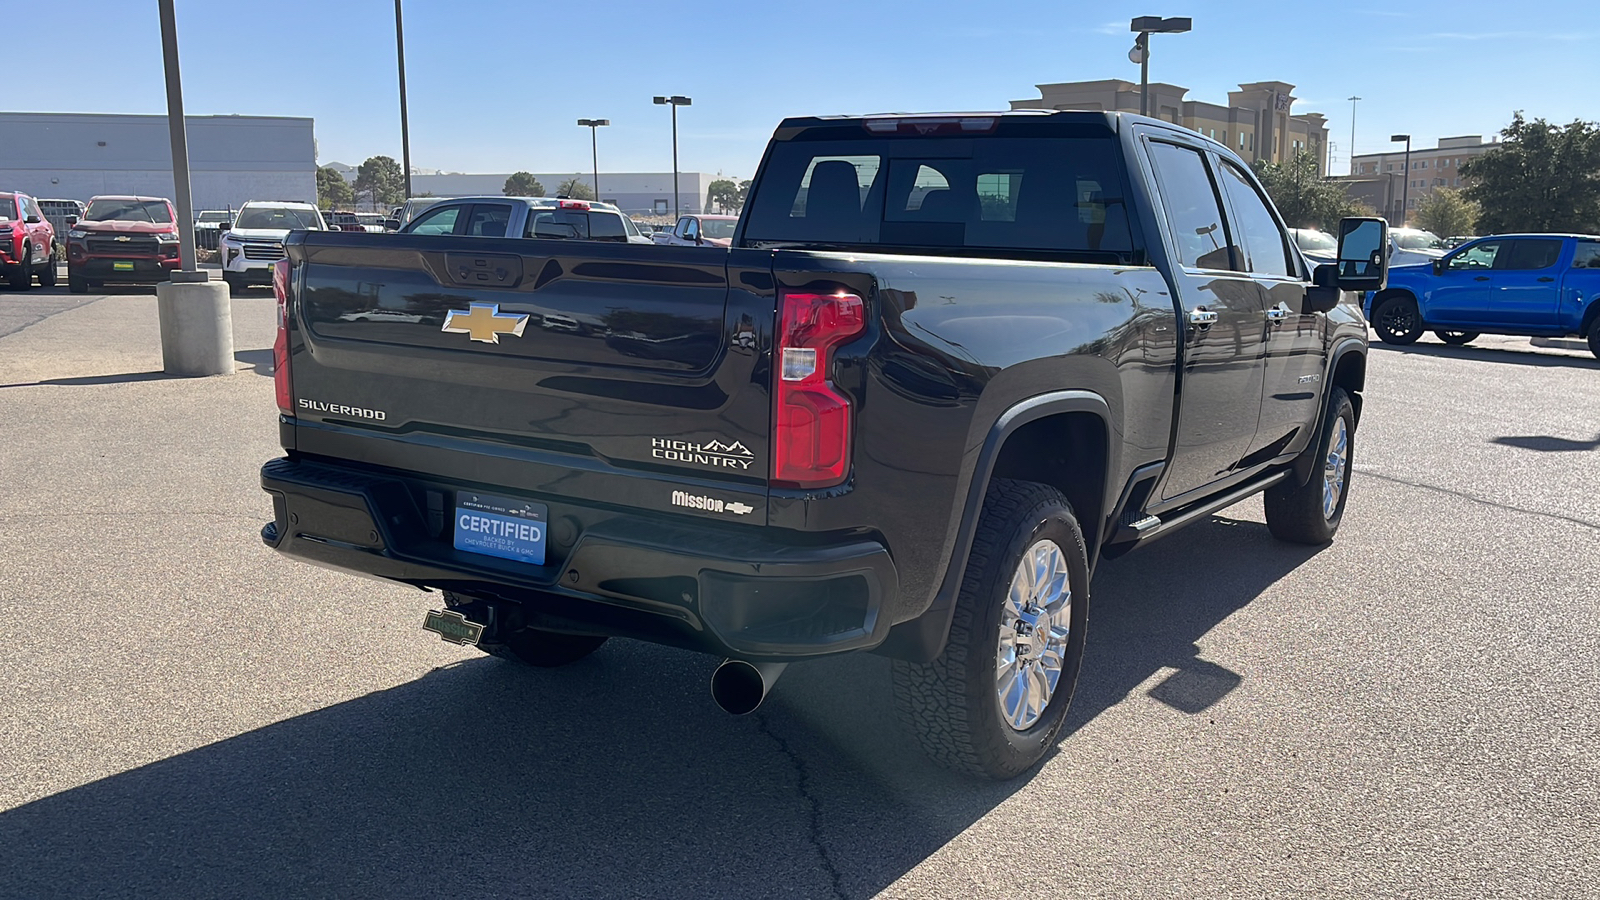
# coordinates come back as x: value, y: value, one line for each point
x: 576, y: 225
x: 992, y: 194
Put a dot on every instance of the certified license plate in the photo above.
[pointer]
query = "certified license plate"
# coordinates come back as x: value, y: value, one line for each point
x: 500, y: 526
x: 120, y: 266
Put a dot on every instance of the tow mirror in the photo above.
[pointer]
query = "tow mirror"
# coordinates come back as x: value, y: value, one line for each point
x: 391, y: 224
x: 31, y: 220
x: 224, y: 226
x: 1438, y: 266
x: 71, y: 221
x: 1363, y: 264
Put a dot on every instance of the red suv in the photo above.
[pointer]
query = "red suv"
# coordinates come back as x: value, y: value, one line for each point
x: 130, y: 240
x: 26, y: 242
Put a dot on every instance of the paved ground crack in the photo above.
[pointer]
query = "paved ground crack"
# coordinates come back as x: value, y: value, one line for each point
x: 803, y: 786
x: 1483, y: 500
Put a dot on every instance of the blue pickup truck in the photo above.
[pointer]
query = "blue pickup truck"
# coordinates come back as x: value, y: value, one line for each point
x: 1534, y: 284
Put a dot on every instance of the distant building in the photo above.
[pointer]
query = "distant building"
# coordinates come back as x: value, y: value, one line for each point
x: 636, y: 193
x: 232, y: 159
x: 1256, y: 122
x: 1431, y: 168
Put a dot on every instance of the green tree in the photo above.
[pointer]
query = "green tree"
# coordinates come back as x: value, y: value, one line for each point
x: 576, y: 188
x: 1542, y: 177
x: 332, y: 189
x: 382, y: 181
x: 522, y: 184
x: 1303, y: 197
x: 725, y: 195
x: 1445, y: 213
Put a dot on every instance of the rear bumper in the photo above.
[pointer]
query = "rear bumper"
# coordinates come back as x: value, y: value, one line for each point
x: 755, y: 593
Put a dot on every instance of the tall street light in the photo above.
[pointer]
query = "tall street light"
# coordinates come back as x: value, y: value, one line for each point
x: 594, y: 126
x: 1145, y: 26
x: 405, y: 130
x: 1353, y: 134
x: 674, y: 101
x: 1405, y: 192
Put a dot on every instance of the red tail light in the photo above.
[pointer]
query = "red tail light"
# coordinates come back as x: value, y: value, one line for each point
x: 280, y: 347
x: 811, y: 420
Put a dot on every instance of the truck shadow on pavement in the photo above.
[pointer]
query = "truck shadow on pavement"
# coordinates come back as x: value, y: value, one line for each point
x: 1519, y: 357
x: 612, y: 777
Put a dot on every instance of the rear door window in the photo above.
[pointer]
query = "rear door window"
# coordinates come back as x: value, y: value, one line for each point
x: 489, y: 220
x: 1043, y: 194
x: 558, y: 224
x: 1527, y: 255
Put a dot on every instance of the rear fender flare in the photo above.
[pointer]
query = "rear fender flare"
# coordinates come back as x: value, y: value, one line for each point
x: 923, y: 638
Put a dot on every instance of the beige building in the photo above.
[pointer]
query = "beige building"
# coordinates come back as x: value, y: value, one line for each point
x: 1256, y: 122
x: 1431, y: 168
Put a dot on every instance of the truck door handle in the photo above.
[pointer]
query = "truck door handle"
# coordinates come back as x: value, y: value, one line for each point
x: 1278, y: 313
x: 1546, y: 278
x: 1481, y: 278
x: 1202, y: 317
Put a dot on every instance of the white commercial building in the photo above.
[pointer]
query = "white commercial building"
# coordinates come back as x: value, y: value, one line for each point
x: 638, y: 193
x: 232, y: 159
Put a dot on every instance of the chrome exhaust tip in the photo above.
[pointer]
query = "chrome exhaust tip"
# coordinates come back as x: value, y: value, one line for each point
x: 739, y: 686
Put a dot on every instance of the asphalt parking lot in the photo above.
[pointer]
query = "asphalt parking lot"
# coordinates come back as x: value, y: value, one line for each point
x: 1411, y: 711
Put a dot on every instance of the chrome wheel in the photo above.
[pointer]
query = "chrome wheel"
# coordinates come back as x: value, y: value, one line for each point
x: 1334, y: 468
x: 1035, y: 622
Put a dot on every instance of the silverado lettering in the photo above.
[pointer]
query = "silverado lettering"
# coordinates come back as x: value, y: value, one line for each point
x: 1052, y: 336
x: 339, y: 409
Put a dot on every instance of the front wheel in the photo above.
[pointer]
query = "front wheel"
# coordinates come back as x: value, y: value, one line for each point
x: 1397, y: 320
x: 1456, y: 338
x: 47, y: 273
x: 993, y: 702
x: 1594, y: 337
x: 1310, y: 513
x: 20, y: 278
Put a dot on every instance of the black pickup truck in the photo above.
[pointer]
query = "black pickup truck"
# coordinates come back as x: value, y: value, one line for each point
x: 948, y: 363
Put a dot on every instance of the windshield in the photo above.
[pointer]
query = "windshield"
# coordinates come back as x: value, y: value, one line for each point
x: 1418, y: 240
x: 717, y: 228
x: 282, y: 217
x: 109, y: 210
x: 1057, y: 192
x: 1315, y: 241
x: 8, y: 207
x: 212, y: 215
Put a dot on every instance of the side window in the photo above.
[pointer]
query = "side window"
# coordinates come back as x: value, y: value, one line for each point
x: 1587, y: 256
x: 691, y: 230
x: 439, y: 220
x: 1193, y: 211
x: 1527, y: 255
x: 683, y: 227
x: 1477, y: 256
x: 489, y: 220
x: 1264, y: 242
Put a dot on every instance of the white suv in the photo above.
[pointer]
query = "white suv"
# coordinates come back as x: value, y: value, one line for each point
x: 253, y: 241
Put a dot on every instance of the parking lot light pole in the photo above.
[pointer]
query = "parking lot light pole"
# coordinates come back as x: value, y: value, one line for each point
x: 1353, y: 134
x: 594, y: 126
x: 674, y: 101
x: 1405, y: 190
x: 1144, y: 26
x: 195, y: 313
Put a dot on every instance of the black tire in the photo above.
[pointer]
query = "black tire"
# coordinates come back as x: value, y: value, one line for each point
x: 1397, y: 320
x: 533, y: 647
x: 951, y: 704
x: 20, y: 278
x: 1594, y: 337
x: 1298, y: 512
x: 234, y: 282
x: 1456, y: 338
x: 75, y: 284
x: 47, y: 273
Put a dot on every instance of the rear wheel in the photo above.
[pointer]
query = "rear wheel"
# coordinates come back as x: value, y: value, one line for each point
x: 47, y: 273
x: 993, y: 703
x: 1397, y: 320
x: 531, y: 646
x: 1456, y: 338
x: 1310, y: 513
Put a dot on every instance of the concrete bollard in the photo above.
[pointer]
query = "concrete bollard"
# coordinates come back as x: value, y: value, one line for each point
x: 196, y: 325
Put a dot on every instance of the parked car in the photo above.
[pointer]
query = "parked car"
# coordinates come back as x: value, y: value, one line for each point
x: 862, y: 427
x: 1318, y: 246
x: 1454, y: 241
x: 27, y: 242
x: 207, y: 227
x: 122, y: 239
x: 1408, y: 246
x: 253, y: 241
x: 56, y: 212
x: 699, y: 230
x: 527, y: 217
x: 1533, y: 284
x: 343, y: 220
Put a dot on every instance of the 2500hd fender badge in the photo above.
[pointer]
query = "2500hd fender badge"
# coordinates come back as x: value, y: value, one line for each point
x: 716, y: 453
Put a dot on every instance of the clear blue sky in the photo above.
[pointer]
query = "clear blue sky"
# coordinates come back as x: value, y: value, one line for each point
x: 498, y: 86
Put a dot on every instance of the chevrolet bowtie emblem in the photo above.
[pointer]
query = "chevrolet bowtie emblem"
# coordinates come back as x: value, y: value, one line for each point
x: 483, y: 322
x: 122, y: 237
